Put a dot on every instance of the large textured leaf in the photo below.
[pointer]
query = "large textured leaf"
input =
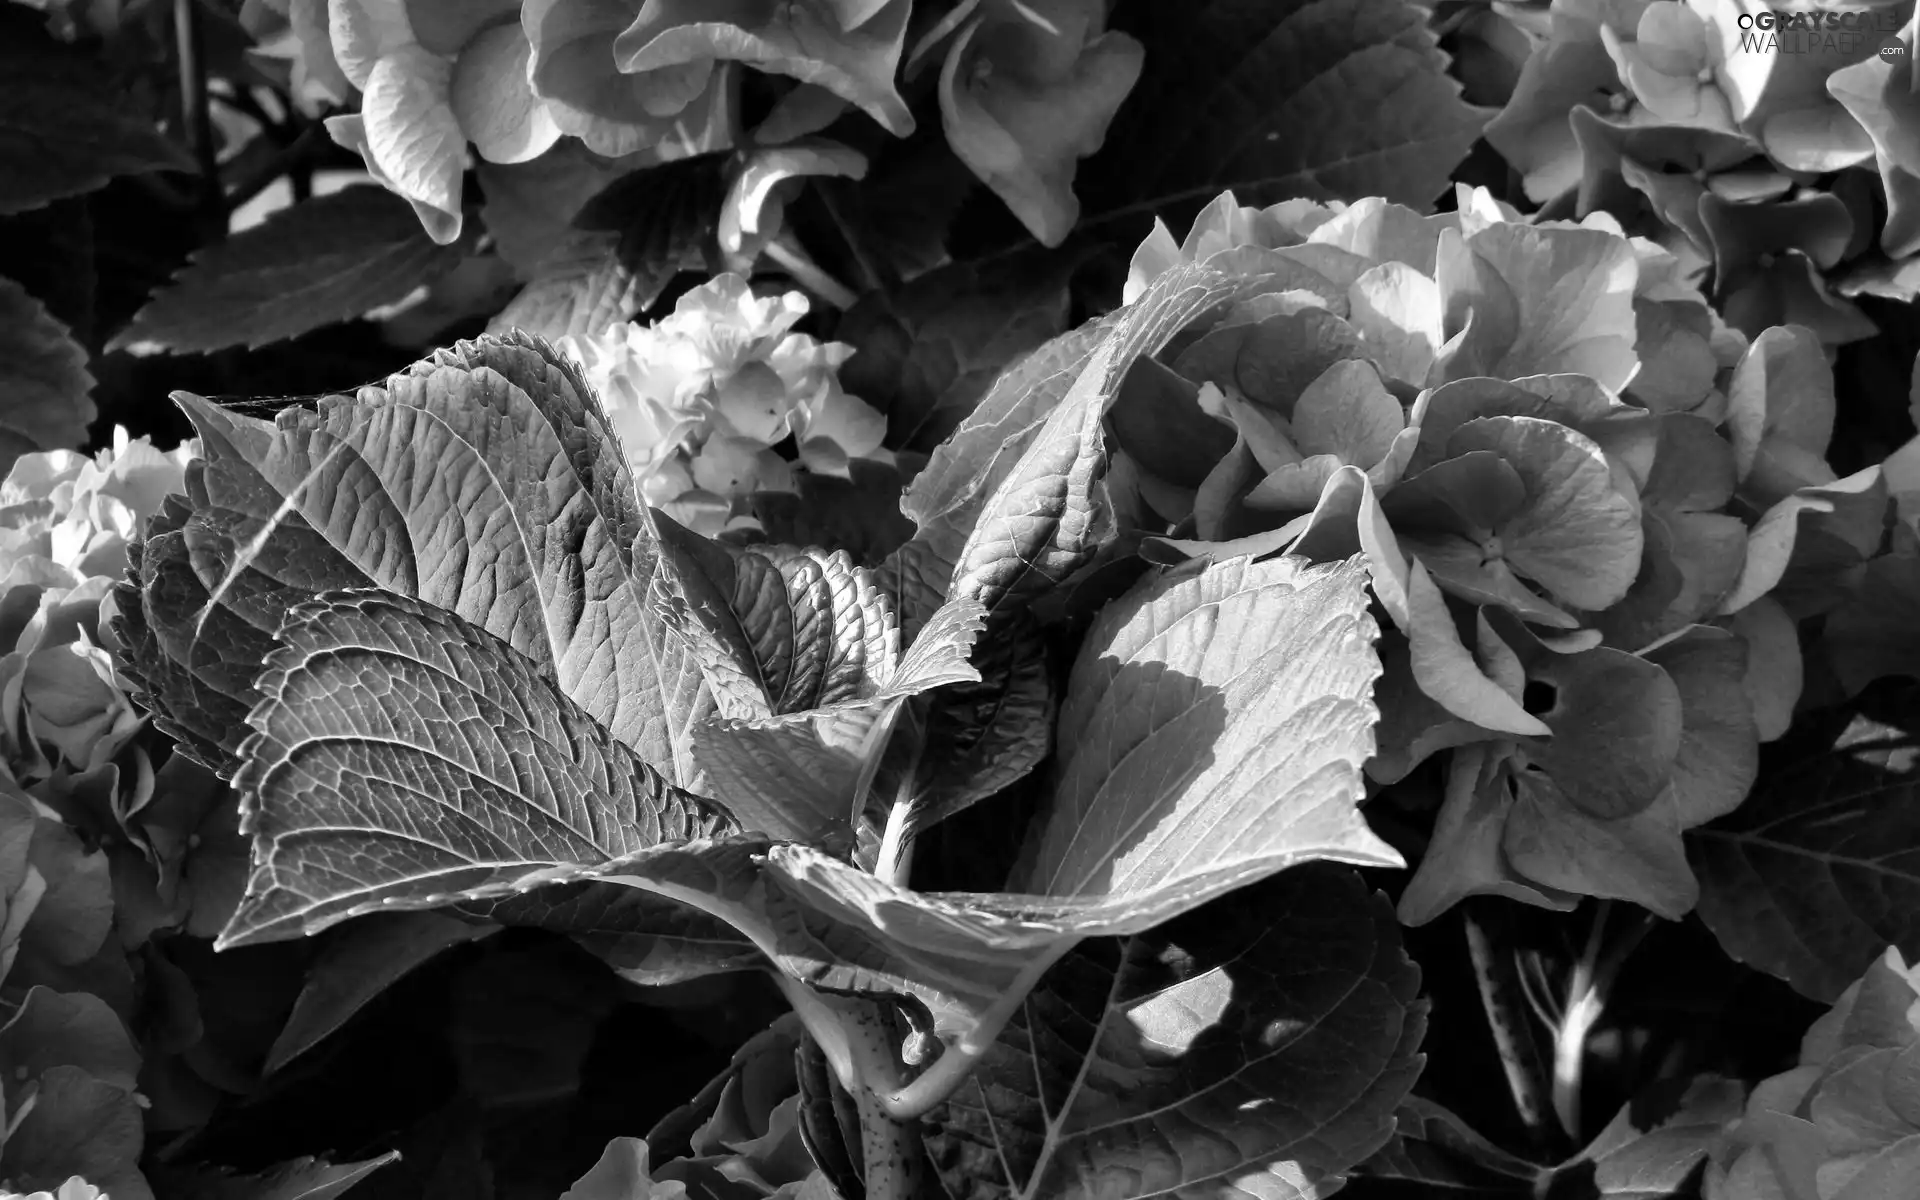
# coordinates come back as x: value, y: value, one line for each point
x: 402, y: 755
x: 1013, y: 491
x: 45, y: 400
x: 1292, y: 98
x: 1246, y: 760
x: 323, y: 260
x: 483, y: 481
x: 1819, y: 870
x: 66, y: 127
x: 1212, y: 736
x: 1157, y: 1065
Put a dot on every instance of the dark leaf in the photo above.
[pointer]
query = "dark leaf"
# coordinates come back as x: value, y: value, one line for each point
x: 646, y: 939
x: 931, y: 348
x: 66, y: 125
x: 359, y: 962
x: 323, y: 260
x: 1258, y: 1046
x: 860, y: 515
x: 301, y: 1179
x: 1819, y: 870
x: 1296, y: 98
x: 45, y: 390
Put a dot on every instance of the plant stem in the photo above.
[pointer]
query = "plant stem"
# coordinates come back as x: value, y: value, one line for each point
x: 890, y: 1146
x: 895, y: 861
x: 869, y: 274
x: 808, y: 274
x: 1518, y: 1059
x: 195, y: 117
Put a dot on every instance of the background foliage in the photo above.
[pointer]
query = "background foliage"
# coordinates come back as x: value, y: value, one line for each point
x: 1110, y: 361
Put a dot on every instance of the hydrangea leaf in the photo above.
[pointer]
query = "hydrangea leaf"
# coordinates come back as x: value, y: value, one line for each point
x: 803, y: 775
x: 983, y: 736
x: 296, y: 1179
x: 1543, y: 301
x: 1219, y: 634
x: 402, y: 757
x: 66, y: 127
x: 542, y: 551
x: 929, y: 350
x: 1434, y: 1148
x: 358, y: 962
x: 47, y: 385
x: 945, y: 498
x: 323, y: 260
x: 1023, y: 1124
x: 1043, y: 522
x: 1358, y: 97
x: 803, y: 40
x: 1024, y: 432
x: 645, y: 938
x: 1655, y: 1145
x: 1814, y: 875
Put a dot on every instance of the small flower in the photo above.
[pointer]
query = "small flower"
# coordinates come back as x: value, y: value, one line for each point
x: 700, y: 399
x: 1676, y: 62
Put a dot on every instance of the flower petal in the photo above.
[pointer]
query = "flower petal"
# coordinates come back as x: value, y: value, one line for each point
x: 494, y: 102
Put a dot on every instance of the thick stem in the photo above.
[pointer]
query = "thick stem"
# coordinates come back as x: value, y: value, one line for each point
x: 1518, y: 1059
x: 895, y: 861
x: 889, y: 1145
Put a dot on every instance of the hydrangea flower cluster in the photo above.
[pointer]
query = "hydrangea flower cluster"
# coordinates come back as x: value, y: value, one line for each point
x: 70, y: 780
x: 1591, y: 512
x: 1766, y: 149
x: 1844, y: 1121
x: 1025, y: 89
x: 701, y: 398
